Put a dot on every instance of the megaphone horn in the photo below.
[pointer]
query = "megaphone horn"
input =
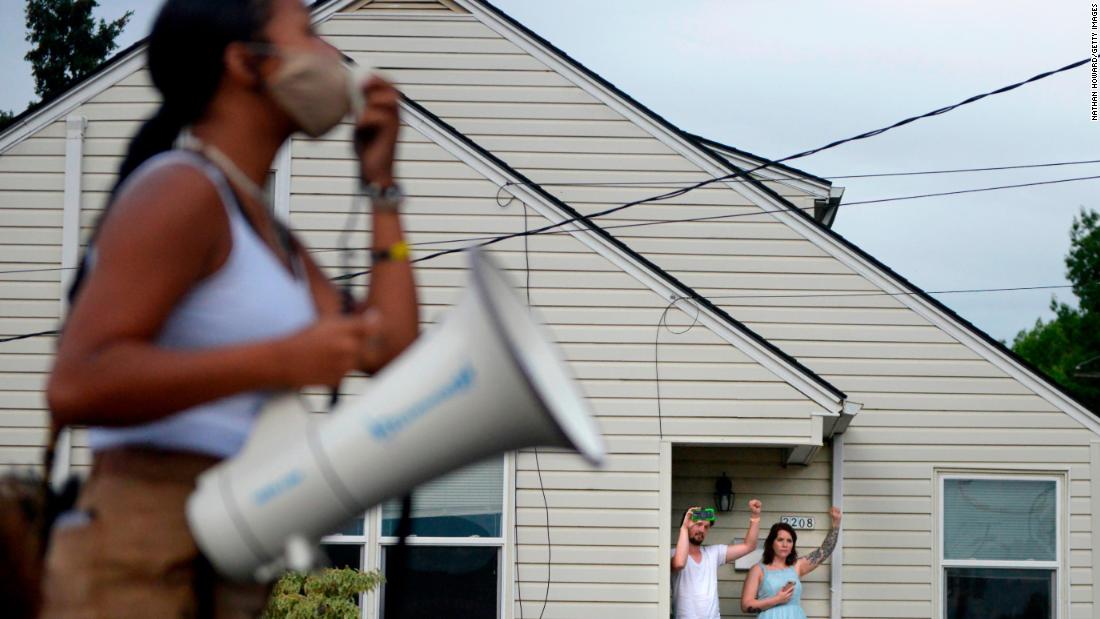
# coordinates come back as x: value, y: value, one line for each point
x: 483, y: 382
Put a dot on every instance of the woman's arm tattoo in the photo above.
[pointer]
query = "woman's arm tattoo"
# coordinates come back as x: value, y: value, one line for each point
x: 819, y: 555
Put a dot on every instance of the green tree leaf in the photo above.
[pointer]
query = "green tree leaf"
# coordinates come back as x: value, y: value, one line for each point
x: 1068, y: 347
x: 67, y: 43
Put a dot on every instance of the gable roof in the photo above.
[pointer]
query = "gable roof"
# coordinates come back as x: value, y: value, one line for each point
x: 757, y: 159
x: 654, y: 277
x: 814, y: 387
x: 834, y: 244
x: 861, y: 262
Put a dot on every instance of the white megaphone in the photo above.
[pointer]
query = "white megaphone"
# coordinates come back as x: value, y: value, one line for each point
x: 483, y: 382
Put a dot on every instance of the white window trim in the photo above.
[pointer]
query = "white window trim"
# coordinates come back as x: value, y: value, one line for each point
x: 504, y: 542
x: 280, y: 190
x: 1061, y: 570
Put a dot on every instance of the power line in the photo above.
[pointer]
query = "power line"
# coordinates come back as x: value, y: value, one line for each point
x: 551, y: 229
x: 886, y: 294
x: 799, y: 295
x: 28, y: 335
x: 959, y: 170
x: 654, y: 222
x: 767, y: 164
x: 739, y: 173
x: 961, y: 191
x: 742, y: 173
x: 670, y: 183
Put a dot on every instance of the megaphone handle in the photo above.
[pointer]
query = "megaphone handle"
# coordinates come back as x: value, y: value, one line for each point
x: 347, y: 304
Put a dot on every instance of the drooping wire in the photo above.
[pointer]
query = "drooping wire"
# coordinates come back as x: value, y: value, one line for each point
x: 799, y: 295
x: 739, y: 173
x: 662, y: 321
x: 551, y: 228
x: 24, y: 336
x: 538, y: 466
x: 649, y: 222
x: 745, y: 173
x: 806, y: 153
x: 793, y: 176
x: 518, y: 580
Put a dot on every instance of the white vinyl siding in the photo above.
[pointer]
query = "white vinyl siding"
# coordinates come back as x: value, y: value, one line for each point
x: 929, y: 401
x: 610, y: 349
x: 32, y: 179
x: 872, y: 346
x: 370, y: 6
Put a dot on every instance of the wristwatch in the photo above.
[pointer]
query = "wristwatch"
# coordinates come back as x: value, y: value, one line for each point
x: 384, y: 199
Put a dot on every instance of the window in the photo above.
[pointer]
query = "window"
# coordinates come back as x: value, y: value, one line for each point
x: 1000, y: 546
x: 454, y: 552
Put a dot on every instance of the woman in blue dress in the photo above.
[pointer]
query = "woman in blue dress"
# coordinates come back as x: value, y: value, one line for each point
x: 773, y: 587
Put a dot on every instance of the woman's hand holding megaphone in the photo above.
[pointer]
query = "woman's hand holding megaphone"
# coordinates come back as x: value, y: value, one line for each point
x: 376, y: 131
x: 324, y: 352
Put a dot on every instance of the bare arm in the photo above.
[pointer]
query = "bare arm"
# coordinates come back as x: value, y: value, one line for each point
x: 392, y: 288
x: 810, y: 562
x: 679, y: 559
x: 734, y: 551
x: 109, y: 370
x: 749, y: 601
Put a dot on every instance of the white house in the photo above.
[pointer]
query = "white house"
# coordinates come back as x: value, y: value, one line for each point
x: 760, y: 344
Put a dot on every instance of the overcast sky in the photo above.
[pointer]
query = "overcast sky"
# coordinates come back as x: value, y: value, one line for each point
x: 776, y: 77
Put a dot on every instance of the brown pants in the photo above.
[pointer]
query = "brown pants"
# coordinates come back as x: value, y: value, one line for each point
x: 128, y: 553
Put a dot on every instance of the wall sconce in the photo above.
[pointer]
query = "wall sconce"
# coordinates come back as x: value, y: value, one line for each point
x: 723, y: 494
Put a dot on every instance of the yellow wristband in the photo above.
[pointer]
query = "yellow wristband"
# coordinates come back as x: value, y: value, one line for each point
x: 398, y: 252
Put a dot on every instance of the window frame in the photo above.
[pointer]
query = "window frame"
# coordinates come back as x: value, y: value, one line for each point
x: 362, y: 541
x: 502, y: 542
x: 1057, y: 566
x: 372, y: 544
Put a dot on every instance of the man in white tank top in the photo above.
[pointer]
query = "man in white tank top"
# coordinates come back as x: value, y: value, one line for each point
x: 695, y: 567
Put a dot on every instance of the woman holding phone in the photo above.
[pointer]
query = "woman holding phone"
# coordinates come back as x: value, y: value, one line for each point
x: 773, y: 587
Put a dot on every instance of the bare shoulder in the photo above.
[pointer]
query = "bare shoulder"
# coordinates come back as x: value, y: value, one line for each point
x: 170, y: 209
x: 170, y: 191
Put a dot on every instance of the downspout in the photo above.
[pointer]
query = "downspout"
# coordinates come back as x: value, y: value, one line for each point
x: 70, y: 254
x: 836, y: 584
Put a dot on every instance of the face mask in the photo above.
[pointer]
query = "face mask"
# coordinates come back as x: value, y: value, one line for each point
x: 313, y: 89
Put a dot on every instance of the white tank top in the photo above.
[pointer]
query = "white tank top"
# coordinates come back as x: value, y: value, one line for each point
x: 251, y: 297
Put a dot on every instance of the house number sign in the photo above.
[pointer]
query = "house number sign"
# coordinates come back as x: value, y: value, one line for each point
x: 799, y: 522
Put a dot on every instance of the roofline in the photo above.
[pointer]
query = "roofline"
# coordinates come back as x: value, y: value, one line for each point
x: 1056, y: 390
x: 8, y: 137
x: 23, y: 124
x: 684, y: 290
x: 56, y: 107
x: 922, y: 295
x: 811, y: 187
x: 772, y: 165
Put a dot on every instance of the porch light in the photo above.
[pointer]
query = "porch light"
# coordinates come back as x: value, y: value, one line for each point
x: 723, y: 494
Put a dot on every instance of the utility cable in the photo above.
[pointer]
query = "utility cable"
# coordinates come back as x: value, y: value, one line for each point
x: 654, y: 222
x: 551, y: 228
x: 741, y: 173
x: 744, y: 173
x: 794, y: 176
x: 814, y: 295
